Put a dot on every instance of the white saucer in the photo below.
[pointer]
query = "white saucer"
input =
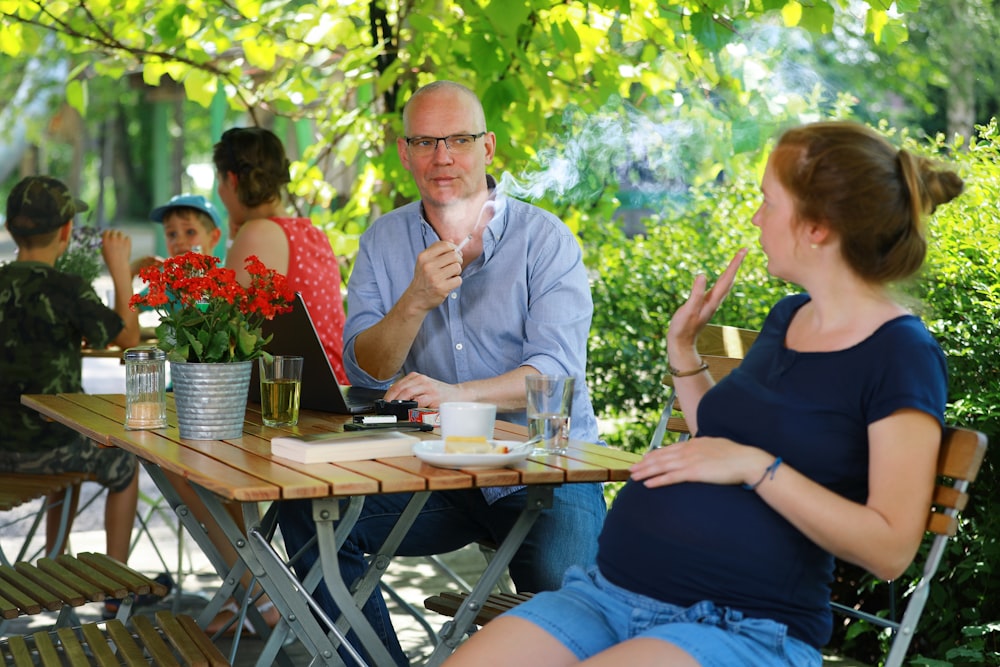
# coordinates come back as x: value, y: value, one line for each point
x: 432, y: 452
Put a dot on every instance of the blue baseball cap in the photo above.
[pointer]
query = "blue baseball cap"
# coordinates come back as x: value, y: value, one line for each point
x: 186, y: 201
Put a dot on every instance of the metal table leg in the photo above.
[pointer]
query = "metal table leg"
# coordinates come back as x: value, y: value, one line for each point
x: 539, y: 498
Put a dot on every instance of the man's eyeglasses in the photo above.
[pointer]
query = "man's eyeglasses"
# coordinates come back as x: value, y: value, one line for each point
x: 455, y: 143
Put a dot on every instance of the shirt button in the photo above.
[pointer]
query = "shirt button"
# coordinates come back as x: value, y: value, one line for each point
x: 454, y: 295
x: 458, y: 346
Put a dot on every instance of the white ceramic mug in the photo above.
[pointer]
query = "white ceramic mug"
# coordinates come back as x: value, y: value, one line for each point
x: 467, y: 419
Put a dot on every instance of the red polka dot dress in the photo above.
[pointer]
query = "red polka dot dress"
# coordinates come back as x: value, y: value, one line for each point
x: 313, y: 271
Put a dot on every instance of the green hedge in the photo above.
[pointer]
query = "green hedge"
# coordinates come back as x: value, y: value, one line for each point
x: 637, y: 284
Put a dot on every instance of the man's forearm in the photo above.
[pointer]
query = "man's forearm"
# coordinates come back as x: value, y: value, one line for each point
x: 382, y: 348
x: 506, y: 391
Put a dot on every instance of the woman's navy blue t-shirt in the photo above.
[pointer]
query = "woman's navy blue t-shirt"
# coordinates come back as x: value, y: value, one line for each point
x: 694, y: 541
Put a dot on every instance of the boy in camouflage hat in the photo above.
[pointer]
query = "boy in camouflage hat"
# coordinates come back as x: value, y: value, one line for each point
x: 45, y: 315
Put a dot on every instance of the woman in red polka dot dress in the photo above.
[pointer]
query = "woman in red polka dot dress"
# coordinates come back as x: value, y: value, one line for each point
x: 252, y: 174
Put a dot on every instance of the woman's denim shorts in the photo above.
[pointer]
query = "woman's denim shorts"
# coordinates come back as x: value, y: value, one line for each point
x: 590, y: 614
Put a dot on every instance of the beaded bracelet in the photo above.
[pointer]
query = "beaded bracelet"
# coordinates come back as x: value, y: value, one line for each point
x: 768, y: 474
x: 683, y: 374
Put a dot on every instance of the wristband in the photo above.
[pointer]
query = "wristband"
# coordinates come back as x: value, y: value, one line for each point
x: 683, y: 374
x: 768, y: 474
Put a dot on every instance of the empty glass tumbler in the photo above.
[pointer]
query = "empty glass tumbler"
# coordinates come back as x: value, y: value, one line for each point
x: 145, y: 388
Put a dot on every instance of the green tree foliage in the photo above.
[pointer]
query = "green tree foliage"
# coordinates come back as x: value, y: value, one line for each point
x: 349, y: 66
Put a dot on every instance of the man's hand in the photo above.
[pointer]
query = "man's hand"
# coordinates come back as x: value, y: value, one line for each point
x: 437, y: 274
x: 427, y: 392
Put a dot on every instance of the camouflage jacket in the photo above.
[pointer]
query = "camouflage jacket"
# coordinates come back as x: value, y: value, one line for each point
x: 45, y: 315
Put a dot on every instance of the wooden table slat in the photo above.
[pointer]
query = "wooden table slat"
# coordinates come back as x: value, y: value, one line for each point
x: 214, y: 475
x: 390, y: 480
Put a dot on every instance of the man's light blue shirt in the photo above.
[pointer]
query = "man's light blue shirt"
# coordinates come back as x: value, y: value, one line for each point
x: 524, y: 302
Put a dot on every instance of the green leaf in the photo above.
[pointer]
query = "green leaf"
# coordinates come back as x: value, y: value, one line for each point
x: 818, y: 17
x: 10, y: 39
x: 507, y: 16
x: 791, y: 13
x: 76, y: 95
x: 200, y: 87
x: 746, y: 135
x: 709, y: 32
x: 260, y: 52
x: 893, y: 35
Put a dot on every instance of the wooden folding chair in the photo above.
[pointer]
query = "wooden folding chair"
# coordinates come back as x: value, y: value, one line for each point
x: 959, y: 460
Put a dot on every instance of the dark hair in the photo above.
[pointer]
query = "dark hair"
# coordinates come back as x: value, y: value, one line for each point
x: 872, y: 196
x: 34, y: 241
x: 257, y: 157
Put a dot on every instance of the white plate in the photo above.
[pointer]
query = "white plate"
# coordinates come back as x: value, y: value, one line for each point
x: 432, y: 451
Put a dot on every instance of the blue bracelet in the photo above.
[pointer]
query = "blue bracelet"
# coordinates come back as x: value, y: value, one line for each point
x: 768, y: 474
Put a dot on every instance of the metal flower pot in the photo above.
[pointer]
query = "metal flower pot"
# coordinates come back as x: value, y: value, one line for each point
x: 211, y: 399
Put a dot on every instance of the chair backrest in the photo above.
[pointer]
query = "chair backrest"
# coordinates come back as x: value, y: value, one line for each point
x: 722, y: 348
x: 960, y: 457
x: 725, y: 341
x: 719, y: 367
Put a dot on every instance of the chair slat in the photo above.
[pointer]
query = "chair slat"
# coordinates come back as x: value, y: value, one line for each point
x: 57, y: 588
x: 101, y: 647
x: 112, y: 588
x: 175, y: 633
x: 128, y: 650
x: 88, y: 589
x: 20, y: 653
x: 71, y: 647
x: 11, y: 591
x: 135, y: 582
x: 153, y: 642
x: 962, y: 454
x: 204, y: 644
x: 47, y: 653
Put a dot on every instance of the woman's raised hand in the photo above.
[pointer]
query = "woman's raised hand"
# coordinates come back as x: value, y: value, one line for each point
x: 701, y: 305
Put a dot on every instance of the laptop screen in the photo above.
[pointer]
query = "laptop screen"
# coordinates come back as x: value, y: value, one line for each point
x: 294, y: 334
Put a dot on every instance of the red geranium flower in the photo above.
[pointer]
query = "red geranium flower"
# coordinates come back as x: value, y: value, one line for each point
x: 205, y: 314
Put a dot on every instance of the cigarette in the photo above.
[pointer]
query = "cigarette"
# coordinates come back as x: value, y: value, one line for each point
x: 492, y: 205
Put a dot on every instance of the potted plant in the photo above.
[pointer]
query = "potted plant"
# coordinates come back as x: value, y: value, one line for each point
x: 211, y: 328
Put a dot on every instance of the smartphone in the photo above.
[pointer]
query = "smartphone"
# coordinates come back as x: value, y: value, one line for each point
x: 396, y: 426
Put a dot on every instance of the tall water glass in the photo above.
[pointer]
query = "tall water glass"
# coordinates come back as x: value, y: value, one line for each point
x: 550, y: 399
x: 280, y: 389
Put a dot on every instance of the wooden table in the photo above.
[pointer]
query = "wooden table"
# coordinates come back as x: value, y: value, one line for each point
x: 243, y: 470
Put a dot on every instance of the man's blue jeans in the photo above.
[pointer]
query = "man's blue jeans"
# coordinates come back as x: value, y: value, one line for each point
x: 564, y: 535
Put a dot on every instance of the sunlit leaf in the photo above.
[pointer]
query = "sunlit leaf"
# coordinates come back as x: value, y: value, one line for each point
x: 200, y: 87
x: 10, y: 39
x: 76, y: 95
x: 260, y: 52
x: 791, y: 13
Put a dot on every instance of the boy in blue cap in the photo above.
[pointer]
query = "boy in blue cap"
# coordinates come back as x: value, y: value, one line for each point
x: 190, y: 222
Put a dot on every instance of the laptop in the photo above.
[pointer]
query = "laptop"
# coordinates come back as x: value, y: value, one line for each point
x: 294, y: 333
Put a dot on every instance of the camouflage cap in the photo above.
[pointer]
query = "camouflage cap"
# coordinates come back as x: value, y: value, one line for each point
x: 40, y: 204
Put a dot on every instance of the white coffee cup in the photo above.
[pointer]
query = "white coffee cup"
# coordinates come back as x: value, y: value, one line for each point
x: 467, y: 419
